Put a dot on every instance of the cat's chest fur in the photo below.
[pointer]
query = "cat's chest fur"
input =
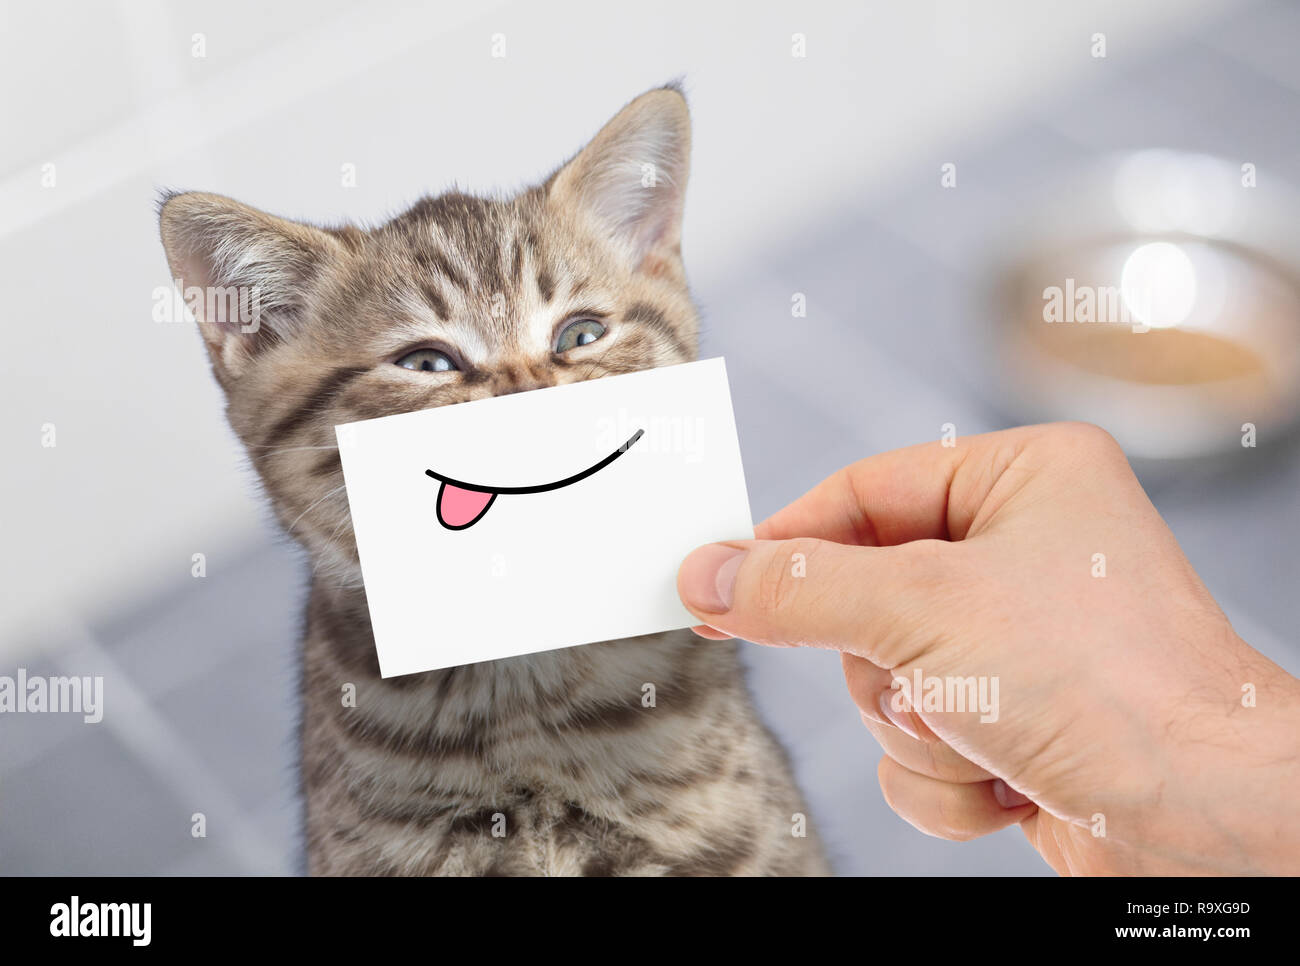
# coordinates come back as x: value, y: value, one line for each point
x: 639, y: 757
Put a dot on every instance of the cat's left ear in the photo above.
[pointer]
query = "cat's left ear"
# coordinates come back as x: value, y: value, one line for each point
x: 630, y: 181
x: 250, y: 272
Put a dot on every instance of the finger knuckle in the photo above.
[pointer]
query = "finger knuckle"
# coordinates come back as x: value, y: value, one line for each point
x: 780, y: 580
x: 935, y: 819
x: 1085, y: 436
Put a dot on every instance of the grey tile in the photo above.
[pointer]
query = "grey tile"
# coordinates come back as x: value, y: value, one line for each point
x: 1191, y: 97
x: 801, y: 694
x: 1237, y: 525
x: 279, y: 820
x: 204, y: 859
x: 240, y: 718
x: 1118, y: 111
x: 90, y: 808
x: 994, y: 177
x: 24, y: 737
x: 248, y: 603
x: 789, y: 442
x: 1263, y: 36
x: 1238, y: 111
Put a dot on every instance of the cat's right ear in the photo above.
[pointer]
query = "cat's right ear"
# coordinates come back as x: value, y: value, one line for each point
x: 243, y: 273
x: 631, y: 179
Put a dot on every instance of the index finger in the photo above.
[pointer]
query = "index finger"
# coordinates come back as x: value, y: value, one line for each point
x: 931, y: 491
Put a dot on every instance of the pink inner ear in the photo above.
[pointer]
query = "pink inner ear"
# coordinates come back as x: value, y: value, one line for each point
x: 459, y: 508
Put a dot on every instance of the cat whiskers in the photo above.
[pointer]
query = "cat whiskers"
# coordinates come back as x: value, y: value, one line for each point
x: 314, y: 506
x: 343, y: 518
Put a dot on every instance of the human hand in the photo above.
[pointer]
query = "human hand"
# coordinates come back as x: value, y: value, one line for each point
x: 1134, y: 731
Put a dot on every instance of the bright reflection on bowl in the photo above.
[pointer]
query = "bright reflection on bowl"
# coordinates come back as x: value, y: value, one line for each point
x: 1158, y: 284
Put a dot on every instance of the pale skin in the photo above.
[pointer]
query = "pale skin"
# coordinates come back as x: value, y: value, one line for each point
x: 1136, y: 732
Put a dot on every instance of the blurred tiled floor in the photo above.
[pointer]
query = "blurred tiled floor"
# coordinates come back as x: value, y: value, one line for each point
x: 884, y: 357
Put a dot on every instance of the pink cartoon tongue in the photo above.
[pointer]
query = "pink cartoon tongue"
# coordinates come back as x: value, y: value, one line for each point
x: 459, y: 508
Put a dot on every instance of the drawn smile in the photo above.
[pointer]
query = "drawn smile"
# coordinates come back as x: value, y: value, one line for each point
x: 461, y: 504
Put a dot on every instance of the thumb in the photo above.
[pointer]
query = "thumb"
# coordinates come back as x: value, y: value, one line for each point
x: 875, y: 602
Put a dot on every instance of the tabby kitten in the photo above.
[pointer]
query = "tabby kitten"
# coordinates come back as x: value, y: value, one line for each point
x: 542, y: 764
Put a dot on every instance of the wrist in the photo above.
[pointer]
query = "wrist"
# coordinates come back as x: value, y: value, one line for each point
x: 1237, y: 779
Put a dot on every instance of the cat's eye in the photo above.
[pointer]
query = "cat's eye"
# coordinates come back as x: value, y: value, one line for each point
x: 578, y: 333
x: 427, y: 360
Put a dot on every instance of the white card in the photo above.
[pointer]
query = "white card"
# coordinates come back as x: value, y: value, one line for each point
x: 541, y: 519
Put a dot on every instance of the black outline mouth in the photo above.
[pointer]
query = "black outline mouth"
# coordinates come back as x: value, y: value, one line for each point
x: 538, y: 488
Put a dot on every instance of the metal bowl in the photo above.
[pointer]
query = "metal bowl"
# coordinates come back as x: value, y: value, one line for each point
x: 1156, y: 294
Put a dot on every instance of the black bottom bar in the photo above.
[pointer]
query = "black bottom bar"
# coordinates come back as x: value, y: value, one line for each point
x: 373, y: 915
